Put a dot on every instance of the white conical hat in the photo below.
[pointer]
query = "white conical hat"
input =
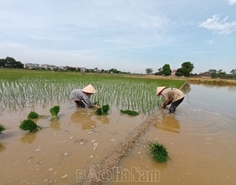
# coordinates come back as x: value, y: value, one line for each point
x: 89, y: 89
x: 159, y: 89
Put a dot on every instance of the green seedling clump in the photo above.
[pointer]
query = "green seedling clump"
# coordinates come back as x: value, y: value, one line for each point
x: 2, y: 128
x: 103, y: 110
x: 29, y: 125
x: 129, y: 112
x: 99, y: 112
x: 54, y: 112
x: 159, y: 152
x: 33, y: 115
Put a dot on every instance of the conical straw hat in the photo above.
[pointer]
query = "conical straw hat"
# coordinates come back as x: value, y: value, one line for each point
x: 89, y: 89
x: 159, y: 89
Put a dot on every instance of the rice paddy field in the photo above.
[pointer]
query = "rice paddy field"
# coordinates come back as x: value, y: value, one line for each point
x: 79, y: 139
x: 80, y: 147
x: 22, y: 89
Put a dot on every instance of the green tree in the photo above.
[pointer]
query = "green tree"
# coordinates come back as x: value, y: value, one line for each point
x: 149, y: 71
x: 187, y: 68
x: 166, y: 70
x: 213, y: 73
x: 159, y: 72
x: 10, y: 63
x: 179, y: 72
x: 233, y: 71
x: 114, y: 71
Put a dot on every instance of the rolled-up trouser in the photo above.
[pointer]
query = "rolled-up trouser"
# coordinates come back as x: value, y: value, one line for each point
x: 174, y: 105
x: 80, y: 103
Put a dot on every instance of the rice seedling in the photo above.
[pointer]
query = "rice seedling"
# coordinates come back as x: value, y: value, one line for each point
x: 32, y: 115
x: 159, y: 152
x: 103, y: 110
x: 35, y: 115
x: 29, y: 125
x: 99, y: 112
x: 54, y: 112
x: 22, y: 89
x: 2, y: 128
x: 129, y: 112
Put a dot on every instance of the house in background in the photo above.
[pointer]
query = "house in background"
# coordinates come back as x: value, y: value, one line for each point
x: 173, y: 72
x: 45, y: 66
x: 205, y: 75
x: 31, y: 66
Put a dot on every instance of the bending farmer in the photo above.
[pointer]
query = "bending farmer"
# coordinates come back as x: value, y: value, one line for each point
x: 171, y: 96
x: 82, y: 96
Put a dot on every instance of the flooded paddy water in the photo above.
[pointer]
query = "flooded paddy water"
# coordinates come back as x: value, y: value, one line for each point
x: 200, y: 139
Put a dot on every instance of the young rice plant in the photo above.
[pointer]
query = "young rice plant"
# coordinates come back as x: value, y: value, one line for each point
x: 159, y: 152
x: 29, y: 125
x: 129, y: 112
x: 2, y: 128
x: 103, y: 110
x: 54, y: 112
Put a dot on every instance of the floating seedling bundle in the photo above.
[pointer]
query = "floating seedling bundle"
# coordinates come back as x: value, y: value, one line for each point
x: 103, y: 110
x: 159, y: 152
x: 29, y: 125
x: 2, y: 128
x: 129, y: 112
x: 34, y: 115
x: 54, y: 112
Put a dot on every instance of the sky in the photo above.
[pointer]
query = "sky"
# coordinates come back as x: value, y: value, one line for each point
x: 128, y: 35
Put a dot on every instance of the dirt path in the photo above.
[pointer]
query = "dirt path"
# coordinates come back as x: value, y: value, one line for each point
x: 112, y: 160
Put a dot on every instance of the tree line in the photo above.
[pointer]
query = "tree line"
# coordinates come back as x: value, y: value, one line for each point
x: 186, y: 70
x: 10, y: 62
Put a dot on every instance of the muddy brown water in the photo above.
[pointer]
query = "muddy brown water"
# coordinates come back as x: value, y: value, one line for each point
x: 200, y: 139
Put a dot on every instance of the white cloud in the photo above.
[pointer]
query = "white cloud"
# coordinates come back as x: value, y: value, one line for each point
x: 231, y: 2
x: 217, y: 26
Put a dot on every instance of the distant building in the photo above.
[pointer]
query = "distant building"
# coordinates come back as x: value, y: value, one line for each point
x: 173, y: 72
x: 31, y: 66
x: 205, y: 75
x: 82, y: 69
x: 64, y: 68
x: 45, y: 66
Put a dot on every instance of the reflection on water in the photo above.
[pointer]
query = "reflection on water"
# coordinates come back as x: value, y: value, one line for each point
x: 2, y: 147
x: 55, y: 125
x: 168, y: 122
x: 28, y: 138
x: 103, y: 119
x: 84, y: 118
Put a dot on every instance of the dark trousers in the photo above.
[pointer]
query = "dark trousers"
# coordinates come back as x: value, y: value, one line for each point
x: 174, y: 105
x: 80, y: 103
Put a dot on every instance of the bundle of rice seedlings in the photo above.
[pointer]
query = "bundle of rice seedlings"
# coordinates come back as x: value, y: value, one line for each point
x: 54, y: 112
x: 29, y: 125
x: 159, y: 152
x: 32, y: 115
x: 103, y: 110
x: 2, y: 128
x: 129, y: 112
x: 99, y: 111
